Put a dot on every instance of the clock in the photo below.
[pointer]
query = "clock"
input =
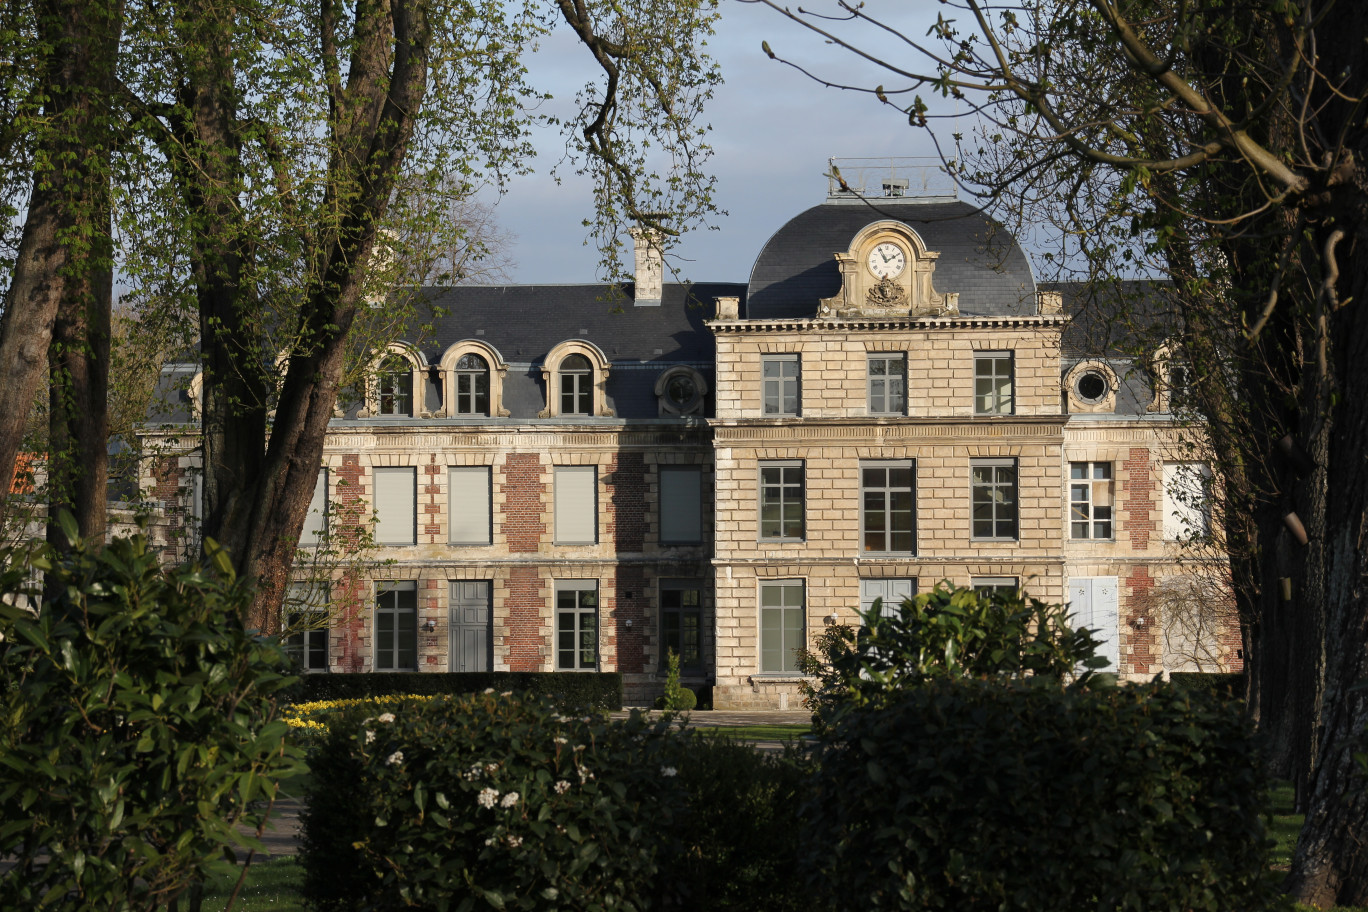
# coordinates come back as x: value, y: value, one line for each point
x: 887, y: 261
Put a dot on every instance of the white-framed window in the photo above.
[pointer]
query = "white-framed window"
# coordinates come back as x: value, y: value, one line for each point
x: 993, y: 383
x: 576, y: 377
x: 394, y: 386
x: 681, y: 622
x: 888, y: 515
x: 576, y: 625
x: 987, y: 586
x: 576, y: 385
x: 887, y: 384
x: 781, y: 501
x: 576, y: 504
x: 471, y: 385
x: 1091, y: 494
x: 315, y: 531
x: 993, y: 498
x: 782, y: 621
x: 681, y: 504
x: 1093, y: 604
x: 396, y: 513
x: 306, y: 612
x: 1187, y: 512
x: 469, y: 505
x: 780, y: 377
x: 890, y: 593
x: 396, y: 626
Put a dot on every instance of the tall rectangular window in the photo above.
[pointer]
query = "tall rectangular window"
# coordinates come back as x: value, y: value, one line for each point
x: 781, y: 625
x: 468, y: 505
x: 576, y: 505
x: 681, y: 622
x: 306, y: 613
x: 396, y: 514
x: 576, y: 625
x: 992, y: 383
x: 1090, y: 499
x: 1186, y: 507
x: 888, y: 384
x: 781, y: 501
x: 889, y: 593
x: 315, y: 530
x: 681, y: 504
x: 994, y: 498
x: 396, y: 626
x: 888, y: 507
x: 780, y: 378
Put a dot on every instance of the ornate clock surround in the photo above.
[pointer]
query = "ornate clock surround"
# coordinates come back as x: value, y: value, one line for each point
x: 907, y: 292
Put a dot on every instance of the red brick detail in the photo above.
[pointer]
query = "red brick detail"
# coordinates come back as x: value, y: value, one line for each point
x: 625, y: 488
x: 525, y: 635
x: 1139, y: 627
x: 350, y: 638
x: 431, y: 642
x: 524, y: 493
x: 1139, y: 504
x: 429, y: 498
x: 347, y: 492
x: 630, y: 642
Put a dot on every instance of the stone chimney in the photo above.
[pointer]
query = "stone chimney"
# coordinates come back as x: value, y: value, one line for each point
x: 1049, y: 302
x: 650, y: 267
x: 728, y: 308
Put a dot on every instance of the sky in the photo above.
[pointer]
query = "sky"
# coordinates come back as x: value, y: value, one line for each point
x: 773, y: 131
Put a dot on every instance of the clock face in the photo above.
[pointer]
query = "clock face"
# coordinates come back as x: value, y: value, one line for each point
x: 887, y: 261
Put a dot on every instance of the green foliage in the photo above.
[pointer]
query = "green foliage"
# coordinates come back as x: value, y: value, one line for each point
x: 944, y: 633
x: 601, y: 691
x: 677, y: 698
x: 1230, y: 686
x: 138, y: 729
x: 978, y: 794
x: 487, y: 802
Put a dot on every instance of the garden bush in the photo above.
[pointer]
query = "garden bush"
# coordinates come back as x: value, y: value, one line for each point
x: 677, y: 697
x: 137, y: 730
x: 978, y: 794
x: 1229, y: 685
x: 571, y: 691
x: 488, y: 801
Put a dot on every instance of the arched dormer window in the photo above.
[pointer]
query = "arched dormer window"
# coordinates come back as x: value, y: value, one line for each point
x: 394, y: 387
x: 575, y: 374
x: 1171, y: 375
x: 472, y: 385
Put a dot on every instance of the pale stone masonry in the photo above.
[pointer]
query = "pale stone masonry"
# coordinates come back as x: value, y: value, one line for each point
x: 579, y: 477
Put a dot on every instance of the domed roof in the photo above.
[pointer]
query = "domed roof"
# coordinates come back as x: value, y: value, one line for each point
x: 978, y: 259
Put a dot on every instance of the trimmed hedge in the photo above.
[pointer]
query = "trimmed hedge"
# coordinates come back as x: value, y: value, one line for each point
x: 568, y: 690
x: 971, y: 795
x: 1230, y: 685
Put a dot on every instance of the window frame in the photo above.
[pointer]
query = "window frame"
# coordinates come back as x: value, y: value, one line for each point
x: 887, y: 358
x: 991, y: 404
x: 581, y: 381
x: 780, y: 384
x: 303, y: 646
x: 681, y: 611
x: 1014, y: 486
x: 452, y: 511
x: 472, y: 398
x: 788, y: 661
x: 386, y: 372
x: 888, y: 490
x: 1090, y: 508
x: 665, y: 471
x: 784, y: 484
x: 991, y: 584
x: 397, y: 611
x: 579, y: 610
x: 376, y: 473
x: 561, y: 530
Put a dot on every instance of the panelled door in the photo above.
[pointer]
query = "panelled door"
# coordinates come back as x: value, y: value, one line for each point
x: 1093, y: 604
x: 472, y: 634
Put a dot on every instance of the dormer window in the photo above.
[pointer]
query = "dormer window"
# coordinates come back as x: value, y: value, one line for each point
x: 576, y: 386
x: 472, y: 385
x: 394, y: 385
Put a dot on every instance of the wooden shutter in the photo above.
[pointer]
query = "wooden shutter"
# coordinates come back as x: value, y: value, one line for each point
x: 576, y: 505
x: 468, y: 505
x: 1094, y: 603
x: 395, y: 513
x: 681, y: 504
x: 316, y: 523
x: 892, y: 591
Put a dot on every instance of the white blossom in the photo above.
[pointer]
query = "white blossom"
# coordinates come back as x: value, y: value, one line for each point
x: 668, y: 771
x: 561, y: 786
x: 488, y: 690
x: 370, y: 736
x: 491, y: 768
x: 510, y: 799
x: 474, y: 772
x: 506, y: 693
x: 386, y: 717
x: 550, y: 893
x: 487, y: 798
x: 396, y: 757
x: 514, y: 841
x: 560, y: 739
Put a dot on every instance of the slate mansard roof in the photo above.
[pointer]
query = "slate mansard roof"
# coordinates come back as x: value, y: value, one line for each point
x: 978, y: 259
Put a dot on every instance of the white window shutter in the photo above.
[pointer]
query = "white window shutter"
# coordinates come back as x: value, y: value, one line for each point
x: 468, y: 505
x: 576, y: 505
x: 681, y: 504
x: 1094, y: 603
x: 316, y: 523
x: 1185, y: 508
x: 395, y: 511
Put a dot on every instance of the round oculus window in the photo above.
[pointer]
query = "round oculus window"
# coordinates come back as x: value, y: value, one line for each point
x: 1092, y: 386
x: 681, y: 391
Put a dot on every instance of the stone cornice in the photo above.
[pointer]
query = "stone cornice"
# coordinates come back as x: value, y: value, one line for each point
x: 820, y: 431
x: 822, y: 325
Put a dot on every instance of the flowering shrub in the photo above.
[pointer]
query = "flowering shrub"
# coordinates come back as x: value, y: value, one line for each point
x: 309, y: 722
x: 487, y: 801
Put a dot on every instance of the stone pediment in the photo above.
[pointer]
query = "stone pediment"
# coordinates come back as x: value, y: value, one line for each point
x: 887, y: 272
